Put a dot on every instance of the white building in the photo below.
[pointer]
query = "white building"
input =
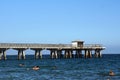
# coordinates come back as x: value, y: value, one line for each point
x: 77, y: 43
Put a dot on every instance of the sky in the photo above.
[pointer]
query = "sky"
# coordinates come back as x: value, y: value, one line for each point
x: 61, y: 21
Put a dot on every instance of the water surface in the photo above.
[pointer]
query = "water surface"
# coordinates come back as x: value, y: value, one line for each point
x: 61, y: 69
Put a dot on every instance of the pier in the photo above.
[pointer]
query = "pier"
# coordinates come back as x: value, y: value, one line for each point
x: 77, y: 49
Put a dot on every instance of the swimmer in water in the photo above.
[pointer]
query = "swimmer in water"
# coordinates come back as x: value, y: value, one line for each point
x: 111, y: 73
x: 54, y: 67
x: 36, y: 68
x: 21, y: 65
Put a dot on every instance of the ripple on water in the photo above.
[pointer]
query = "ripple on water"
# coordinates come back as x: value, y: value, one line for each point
x: 66, y: 69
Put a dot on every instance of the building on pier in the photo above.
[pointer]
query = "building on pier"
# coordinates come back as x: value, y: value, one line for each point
x: 77, y: 49
x: 77, y: 43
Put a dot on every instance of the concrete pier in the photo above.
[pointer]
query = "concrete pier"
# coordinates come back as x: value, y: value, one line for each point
x: 86, y: 54
x: 68, y: 54
x: 98, y: 53
x: 59, y: 52
x: 78, y: 54
x: 3, y: 54
x: 56, y: 50
x: 54, y: 54
x: 38, y: 54
x: 21, y: 54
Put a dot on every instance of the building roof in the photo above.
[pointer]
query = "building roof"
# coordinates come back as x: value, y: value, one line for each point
x: 77, y: 41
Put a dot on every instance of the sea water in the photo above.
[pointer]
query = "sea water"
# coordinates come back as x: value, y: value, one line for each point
x: 61, y: 69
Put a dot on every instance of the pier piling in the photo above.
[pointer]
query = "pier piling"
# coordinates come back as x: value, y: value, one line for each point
x: 21, y: 54
x: 38, y: 54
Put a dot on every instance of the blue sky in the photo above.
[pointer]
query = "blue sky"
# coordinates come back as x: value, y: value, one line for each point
x: 61, y: 21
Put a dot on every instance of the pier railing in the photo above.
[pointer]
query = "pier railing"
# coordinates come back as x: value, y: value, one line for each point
x: 92, y: 45
x: 32, y: 45
x: 35, y: 45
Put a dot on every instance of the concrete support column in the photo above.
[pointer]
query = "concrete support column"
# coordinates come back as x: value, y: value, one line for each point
x: 1, y: 54
x: 95, y: 55
x: 52, y: 54
x: 98, y: 53
x: 78, y: 54
x: 21, y: 54
x: 66, y: 54
x: 38, y: 54
x: 59, y: 52
x: 86, y: 53
x: 89, y: 54
x: 4, y: 55
x: 70, y: 53
x: 55, y: 54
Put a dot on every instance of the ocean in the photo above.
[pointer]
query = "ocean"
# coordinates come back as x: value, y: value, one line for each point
x: 60, y: 69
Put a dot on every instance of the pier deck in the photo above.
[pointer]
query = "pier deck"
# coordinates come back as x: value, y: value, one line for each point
x: 55, y: 49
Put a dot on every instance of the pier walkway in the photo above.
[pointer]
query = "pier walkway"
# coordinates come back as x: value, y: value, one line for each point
x: 56, y: 50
